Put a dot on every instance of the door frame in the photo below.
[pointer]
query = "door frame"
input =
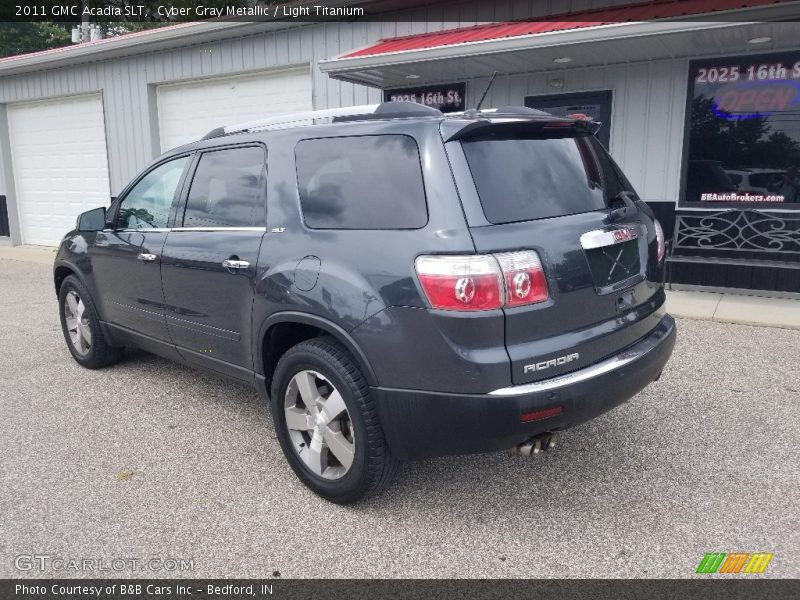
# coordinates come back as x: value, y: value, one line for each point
x: 182, y: 189
x: 9, y: 170
x: 110, y: 229
x: 179, y: 207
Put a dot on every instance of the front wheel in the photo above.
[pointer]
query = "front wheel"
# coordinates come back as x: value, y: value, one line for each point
x: 327, y: 423
x: 80, y: 324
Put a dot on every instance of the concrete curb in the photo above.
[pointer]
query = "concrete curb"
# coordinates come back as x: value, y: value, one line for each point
x: 36, y: 254
x: 735, y: 308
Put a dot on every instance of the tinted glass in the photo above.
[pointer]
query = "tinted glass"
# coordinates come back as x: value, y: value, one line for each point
x: 735, y: 178
x: 708, y: 177
x: 613, y: 178
x: 766, y: 180
x: 367, y: 182
x: 743, y: 116
x: 228, y: 190
x: 147, y: 205
x: 520, y: 179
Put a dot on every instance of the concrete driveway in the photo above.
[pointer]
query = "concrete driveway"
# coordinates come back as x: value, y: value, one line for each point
x: 149, y: 460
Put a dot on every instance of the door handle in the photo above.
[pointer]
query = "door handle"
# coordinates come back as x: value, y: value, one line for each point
x: 235, y: 264
x: 144, y: 257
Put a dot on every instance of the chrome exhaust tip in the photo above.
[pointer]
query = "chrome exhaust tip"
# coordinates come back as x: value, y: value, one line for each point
x: 523, y: 449
x: 536, y: 445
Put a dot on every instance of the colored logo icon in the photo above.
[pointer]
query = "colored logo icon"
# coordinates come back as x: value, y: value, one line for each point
x: 734, y: 562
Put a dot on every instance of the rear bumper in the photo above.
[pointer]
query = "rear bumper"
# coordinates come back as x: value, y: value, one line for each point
x: 421, y: 424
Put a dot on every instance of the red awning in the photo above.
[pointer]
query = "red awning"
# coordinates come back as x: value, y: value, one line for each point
x: 642, y: 11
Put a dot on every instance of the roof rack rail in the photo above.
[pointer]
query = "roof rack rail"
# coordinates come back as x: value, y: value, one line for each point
x: 394, y: 110
x: 386, y: 110
x: 311, y: 117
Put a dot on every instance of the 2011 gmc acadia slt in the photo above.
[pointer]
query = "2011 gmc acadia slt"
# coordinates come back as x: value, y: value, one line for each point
x: 398, y: 282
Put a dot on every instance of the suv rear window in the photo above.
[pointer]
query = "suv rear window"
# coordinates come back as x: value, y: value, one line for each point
x: 525, y: 178
x: 363, y: 182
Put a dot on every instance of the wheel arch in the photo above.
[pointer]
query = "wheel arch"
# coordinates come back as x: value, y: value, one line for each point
x: 62, y: 270
x: 310, y: 326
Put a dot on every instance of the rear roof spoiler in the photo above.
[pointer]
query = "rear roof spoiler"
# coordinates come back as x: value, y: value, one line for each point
x: 538, y: 124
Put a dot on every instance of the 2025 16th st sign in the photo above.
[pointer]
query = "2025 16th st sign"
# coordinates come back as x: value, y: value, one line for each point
x: 444, y: 97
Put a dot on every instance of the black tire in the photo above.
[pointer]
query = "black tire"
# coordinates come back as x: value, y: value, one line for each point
x: 373, y: 466
x: 100, y: 353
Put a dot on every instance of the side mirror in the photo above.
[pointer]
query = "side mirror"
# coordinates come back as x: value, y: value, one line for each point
x: 92, y: 220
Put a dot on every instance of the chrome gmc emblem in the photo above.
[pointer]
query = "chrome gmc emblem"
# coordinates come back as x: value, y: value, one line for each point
x: 600, y: 238
x: 624, y: 235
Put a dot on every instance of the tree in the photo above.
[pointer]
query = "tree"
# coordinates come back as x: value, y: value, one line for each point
x: 730, y: 140
x: 23, y: 37
x: 778, y: 151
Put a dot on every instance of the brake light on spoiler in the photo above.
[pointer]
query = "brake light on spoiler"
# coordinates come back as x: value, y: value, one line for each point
x: 482, y: 281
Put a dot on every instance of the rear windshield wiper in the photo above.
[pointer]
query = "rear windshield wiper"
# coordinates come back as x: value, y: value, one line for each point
x: 624, y: 212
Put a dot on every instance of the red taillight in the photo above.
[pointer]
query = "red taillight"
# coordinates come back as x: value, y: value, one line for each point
x: 660, y: 240
x: 482, y: 282
x: 461, y: 282
x: 524, y: 277
x: 538, y: 415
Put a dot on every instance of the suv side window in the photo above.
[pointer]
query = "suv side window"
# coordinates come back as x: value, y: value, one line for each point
x: 147, y: 204
x: 228, y: 189
x: 362, y: 182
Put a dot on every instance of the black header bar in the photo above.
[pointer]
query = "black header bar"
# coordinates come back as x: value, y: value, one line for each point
x: 738, y: 588
x: 177, y: 11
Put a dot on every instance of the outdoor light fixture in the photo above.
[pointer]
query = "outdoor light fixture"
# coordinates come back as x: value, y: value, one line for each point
x: 557, y: 83
x: 562, y: 59
x: 759, y: 40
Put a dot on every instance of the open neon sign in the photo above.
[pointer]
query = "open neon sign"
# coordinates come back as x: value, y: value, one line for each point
x: 754, y: 99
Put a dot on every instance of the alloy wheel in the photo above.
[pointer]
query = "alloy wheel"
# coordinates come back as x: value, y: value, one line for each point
x: 80, y: 332
x: 319, y: 425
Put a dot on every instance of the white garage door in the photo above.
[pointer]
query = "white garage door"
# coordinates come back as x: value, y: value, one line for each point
x: 188, y: 111
x: 58, y: 151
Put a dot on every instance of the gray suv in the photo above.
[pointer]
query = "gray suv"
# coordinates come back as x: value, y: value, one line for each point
x: 399, y: 283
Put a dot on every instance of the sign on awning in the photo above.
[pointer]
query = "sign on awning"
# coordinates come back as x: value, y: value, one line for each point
x: 446, y: 97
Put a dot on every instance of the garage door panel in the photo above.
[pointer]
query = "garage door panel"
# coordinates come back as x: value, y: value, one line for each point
x: 188, y: 111
x: 57, y: 176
